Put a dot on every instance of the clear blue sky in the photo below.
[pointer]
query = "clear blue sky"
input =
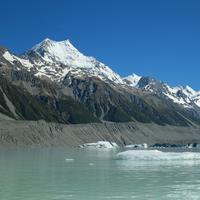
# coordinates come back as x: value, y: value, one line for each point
x: 153, y: 38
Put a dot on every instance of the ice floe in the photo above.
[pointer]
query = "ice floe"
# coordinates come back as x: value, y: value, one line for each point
x: 187, y: 146
x: 91, y: 164
x: 100, y: 145
x: 155, y: 155
x: 69, y: 159
x: 144, y: 146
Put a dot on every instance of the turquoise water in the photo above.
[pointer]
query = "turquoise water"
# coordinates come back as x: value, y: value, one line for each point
x: 45, y: 174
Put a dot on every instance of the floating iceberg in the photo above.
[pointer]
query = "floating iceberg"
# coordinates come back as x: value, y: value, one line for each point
x: 69, y: 159
x: 187, y: 146
x: 193, y: 145
x: 100, y: 145
x: 91, y: 164
x: 144, y: 146
x: 155, y: 155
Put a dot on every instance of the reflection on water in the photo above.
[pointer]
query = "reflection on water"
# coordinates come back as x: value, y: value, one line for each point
x: 45, y: 174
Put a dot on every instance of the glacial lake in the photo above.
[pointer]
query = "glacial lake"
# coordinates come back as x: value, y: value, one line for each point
x: 62, y: 174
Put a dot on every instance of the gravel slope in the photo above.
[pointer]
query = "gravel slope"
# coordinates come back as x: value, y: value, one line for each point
x: 39, y: 133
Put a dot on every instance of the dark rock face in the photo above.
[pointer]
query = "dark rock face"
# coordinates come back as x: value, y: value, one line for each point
x: 35, y: 100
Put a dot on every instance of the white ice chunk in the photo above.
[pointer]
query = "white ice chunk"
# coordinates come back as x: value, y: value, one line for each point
x: 145, y: 146
x: 100, y: 144
x: 155, y: 155
x: 91, y: 164
x: 69, y: 159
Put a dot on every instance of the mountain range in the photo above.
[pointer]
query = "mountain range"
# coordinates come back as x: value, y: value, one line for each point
x: 53, y: 81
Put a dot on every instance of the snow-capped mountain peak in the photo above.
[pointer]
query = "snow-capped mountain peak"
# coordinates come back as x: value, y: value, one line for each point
x: 55, y: 59
x: 59, y: 51
x: 184, y: 96
x: 132, y: 80
x: 190, y: 92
